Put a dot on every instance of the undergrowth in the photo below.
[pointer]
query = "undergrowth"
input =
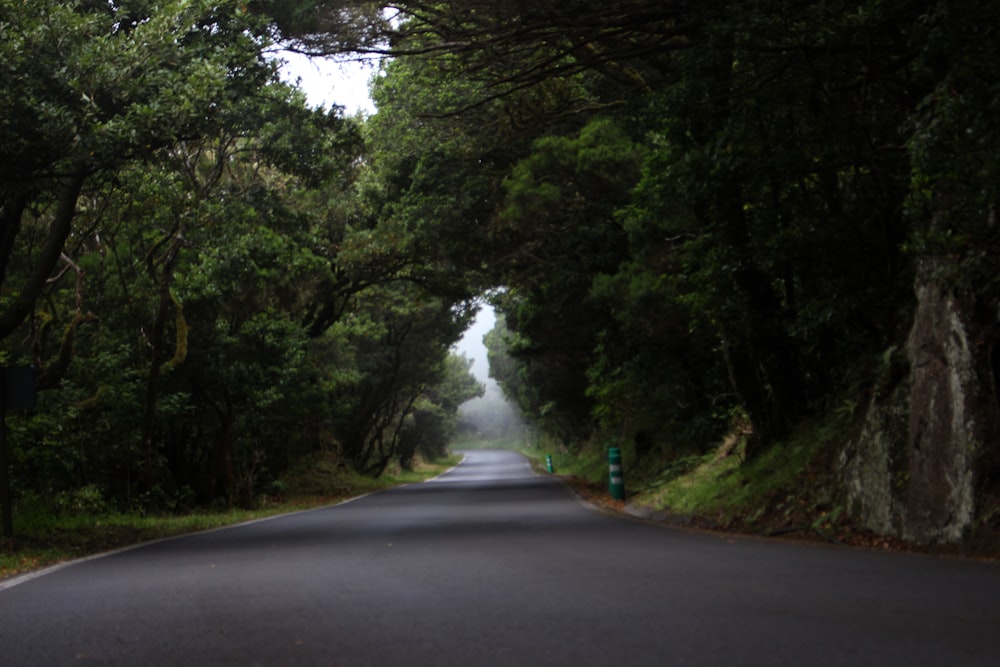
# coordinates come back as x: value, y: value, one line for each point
x: 724, y: 487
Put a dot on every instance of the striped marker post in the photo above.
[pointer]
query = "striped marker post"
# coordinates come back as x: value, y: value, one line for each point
x: 548, y: 463
x: 616, y: 478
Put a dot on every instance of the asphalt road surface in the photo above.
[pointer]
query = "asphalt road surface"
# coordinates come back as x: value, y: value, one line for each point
x: 493, y: 565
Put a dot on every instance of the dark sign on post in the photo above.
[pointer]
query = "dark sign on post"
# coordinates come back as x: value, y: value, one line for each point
x: 17, y: 392
x: 18, y: 388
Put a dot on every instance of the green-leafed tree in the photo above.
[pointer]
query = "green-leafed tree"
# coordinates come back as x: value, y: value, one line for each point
x: 434, y: 420
x: 198, y: 273
x: 689, y: 213
x: 90, y: 90
x: 770, y: 190
x: 397, y: 337
x: 559, y: 204
x: 90, y: 87
x: 805, y: 167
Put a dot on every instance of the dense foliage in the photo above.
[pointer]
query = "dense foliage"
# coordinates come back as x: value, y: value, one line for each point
x: 712, y: 215
x: 193, y: 263
x: 691, y: 216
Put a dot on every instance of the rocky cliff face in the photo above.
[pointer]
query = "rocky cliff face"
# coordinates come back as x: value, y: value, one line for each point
x: 912, y: 470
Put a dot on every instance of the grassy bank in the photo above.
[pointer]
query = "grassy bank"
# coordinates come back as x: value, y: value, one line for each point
x: 784, y: 490
x: 789, y: 491
x: 43, y: 537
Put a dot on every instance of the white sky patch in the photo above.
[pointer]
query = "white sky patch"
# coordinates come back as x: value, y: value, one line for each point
x: 327, y: 82
x: 472, y: 343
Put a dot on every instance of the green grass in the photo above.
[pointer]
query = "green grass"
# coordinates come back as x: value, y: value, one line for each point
x: 712, y: 484
x: 43, y: 538
x: 779, y: 485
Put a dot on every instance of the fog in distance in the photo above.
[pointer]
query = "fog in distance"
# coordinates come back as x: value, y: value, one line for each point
x: 491, y: 417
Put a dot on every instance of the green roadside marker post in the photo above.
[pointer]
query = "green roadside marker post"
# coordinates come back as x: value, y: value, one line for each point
x: 616, y: 478
x: 548, y: 463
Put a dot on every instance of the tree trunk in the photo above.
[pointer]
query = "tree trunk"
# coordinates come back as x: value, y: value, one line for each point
x: 157, y: 345
x: 62, y: 223
x: 223, y: 466
x: 762, y: 360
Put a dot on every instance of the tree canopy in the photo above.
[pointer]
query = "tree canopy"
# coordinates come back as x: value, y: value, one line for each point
x: 693, y: 218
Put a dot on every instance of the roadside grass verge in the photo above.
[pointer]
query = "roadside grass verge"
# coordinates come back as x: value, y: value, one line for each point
x: 786, y: 486
x: 789, y: 490
x: 43, y: 538
x: 776, y: 487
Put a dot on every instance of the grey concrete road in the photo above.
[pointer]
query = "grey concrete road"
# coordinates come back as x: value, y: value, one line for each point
x: 492, y: 565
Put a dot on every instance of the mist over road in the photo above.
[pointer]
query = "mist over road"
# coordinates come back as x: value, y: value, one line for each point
x: 494, y: 565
